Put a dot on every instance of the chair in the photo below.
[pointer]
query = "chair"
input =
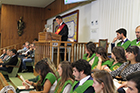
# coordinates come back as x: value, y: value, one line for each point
x: 14, y: 71
x: 103, y: 43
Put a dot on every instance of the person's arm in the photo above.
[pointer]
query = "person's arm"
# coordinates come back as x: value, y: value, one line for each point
x: 67, y: 89
x: 123, y: 85
x: 46, y: 89
x: 107, y: 69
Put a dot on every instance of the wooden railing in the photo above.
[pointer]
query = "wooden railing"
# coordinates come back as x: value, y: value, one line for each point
x: 14, y: 46
x: 4, y: 83
x: 72, y: 50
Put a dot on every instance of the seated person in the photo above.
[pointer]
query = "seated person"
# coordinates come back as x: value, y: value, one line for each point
x: 103, y: 82
x: 7, y: 58
x: 83, y: 80
x: 133, y: 56
x: 103, y: 58
x: 30, y: 57
x: 22, y: 50
x: 118, y: 55
x: 133, y: 83
x: 12, y: 61
x: 45, y: 80
x: 3, y: 54
x: 90, y: 55
x: 66, y: 79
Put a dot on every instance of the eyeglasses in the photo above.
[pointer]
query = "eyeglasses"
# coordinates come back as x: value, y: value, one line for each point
x: 137, y: 32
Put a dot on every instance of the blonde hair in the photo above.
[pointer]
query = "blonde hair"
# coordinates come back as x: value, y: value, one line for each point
x: 104, y: 77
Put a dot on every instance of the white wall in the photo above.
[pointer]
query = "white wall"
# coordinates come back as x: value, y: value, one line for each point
x: 110, y: 16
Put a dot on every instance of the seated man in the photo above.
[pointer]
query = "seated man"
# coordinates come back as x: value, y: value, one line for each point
x: 82, y: 74
x: 25, y: 47
x: 4, y: 53
x: 121, y: 35
x: 12, y: 61
x: 7, y: 58
x: 29, y: 58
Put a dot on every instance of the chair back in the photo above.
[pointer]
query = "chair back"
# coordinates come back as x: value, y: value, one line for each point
x: 103, y: 43
x: 15, y: 69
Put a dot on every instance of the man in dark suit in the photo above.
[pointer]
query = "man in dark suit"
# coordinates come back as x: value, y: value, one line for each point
x: 13, y: 61
x: 82, y: 74
x: 63, y: 31
x: 63, y: 28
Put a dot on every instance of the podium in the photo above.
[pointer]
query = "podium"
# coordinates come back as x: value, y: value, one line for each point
x: 47, y: 36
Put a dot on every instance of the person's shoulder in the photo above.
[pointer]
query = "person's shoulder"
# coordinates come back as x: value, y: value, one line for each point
x: 90, y: 90
x: 134, y: 40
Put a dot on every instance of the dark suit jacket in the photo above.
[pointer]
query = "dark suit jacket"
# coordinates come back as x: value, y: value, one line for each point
x: 64, y: 32
x: 12, y: 61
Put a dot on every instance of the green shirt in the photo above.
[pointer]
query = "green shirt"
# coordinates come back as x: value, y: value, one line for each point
x: 50, y: 76
x: 89, y: 59
x: 115, y: 66
x: 125, y: 45
x: 82, y: 88
x: 108, y: 63
x: 134, y: 43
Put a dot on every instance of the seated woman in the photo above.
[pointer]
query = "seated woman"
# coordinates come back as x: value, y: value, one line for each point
x: 118, y: 55
x: 66, y: 78
x: 133, y: 56
x: 90, y: 55
x: 103, y: 58
x: 46, y: 79
x: 103, y: 82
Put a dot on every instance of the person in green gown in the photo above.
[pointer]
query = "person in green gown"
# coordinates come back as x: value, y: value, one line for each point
x: 90, y: 55
x: 45, y: 80
x: 118, y: 55
x: 103, y: 58
x: 136, y: 42
x: 66, y: 79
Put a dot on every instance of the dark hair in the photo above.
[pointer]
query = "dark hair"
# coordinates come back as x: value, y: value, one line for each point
x: 23, y: 44
x: 14, y: 51
x: 82, y: 64
x: 66, y: 74
x: 122, y: 30
x: 42, y: 66
x: 135, y: 50
x: 59, y: 17
x: 35, y: 39
x: 119, y: 53
x: 100, y: 50
x: 135, y: 77
x: 91, y: 48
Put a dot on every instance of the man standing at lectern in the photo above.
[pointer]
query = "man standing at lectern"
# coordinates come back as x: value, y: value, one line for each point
x: 62, y: 30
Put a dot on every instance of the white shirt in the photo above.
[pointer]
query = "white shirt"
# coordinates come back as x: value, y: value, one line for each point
x: 82, y: 81
x: 123, y: 41
x: 61, y: 23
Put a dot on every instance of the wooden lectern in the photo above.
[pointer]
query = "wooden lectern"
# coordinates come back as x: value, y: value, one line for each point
x: 46, y: 36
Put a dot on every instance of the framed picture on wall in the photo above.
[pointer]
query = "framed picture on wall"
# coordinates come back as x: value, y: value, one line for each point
x: 71, y: 19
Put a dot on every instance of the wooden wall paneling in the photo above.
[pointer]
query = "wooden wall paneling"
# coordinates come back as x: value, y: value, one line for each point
x: 33, y: 17
x: 57, y: 7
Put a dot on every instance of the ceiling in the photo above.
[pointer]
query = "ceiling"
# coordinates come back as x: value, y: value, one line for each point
x: 32, y: 3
